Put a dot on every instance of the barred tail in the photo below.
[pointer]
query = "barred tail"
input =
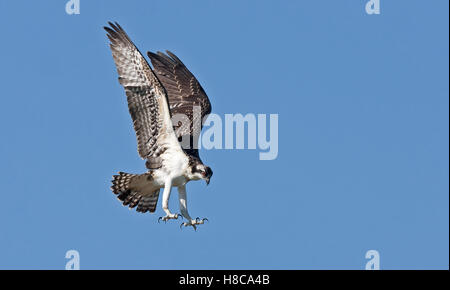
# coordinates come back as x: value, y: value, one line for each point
x: 129, y: 189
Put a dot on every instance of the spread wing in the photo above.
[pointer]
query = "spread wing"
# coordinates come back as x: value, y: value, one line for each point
x: 147, y: 99
x: 186, y: 95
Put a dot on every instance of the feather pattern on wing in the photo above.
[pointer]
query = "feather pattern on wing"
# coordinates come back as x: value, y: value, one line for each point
x: 184, y: 93
x: 147, y: 98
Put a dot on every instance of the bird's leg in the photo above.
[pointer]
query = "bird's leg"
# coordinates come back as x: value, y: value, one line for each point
x: 165, y: 202
x: 184, y: 210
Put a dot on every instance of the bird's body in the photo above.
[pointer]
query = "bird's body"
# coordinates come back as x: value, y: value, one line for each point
x: 153, y: 98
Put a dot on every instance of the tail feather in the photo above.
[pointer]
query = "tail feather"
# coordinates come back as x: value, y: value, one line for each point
x: 128, y: 188
x: 148, y: 203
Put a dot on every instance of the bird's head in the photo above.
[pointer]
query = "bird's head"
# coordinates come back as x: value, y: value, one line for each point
x: 201, y: 171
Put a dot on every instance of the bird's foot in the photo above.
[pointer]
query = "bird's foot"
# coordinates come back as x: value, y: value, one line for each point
x: 194, y: 223
x: 170, y: 216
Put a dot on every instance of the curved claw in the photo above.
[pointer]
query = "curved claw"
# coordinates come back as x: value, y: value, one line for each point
x: 203, y: 220
x: 185, y: 224
x: 159, y: 219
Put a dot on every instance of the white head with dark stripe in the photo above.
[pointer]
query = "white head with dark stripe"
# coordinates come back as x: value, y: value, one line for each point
x: 198, y: 170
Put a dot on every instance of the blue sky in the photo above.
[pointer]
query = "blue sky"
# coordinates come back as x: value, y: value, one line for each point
x: 363, y: 135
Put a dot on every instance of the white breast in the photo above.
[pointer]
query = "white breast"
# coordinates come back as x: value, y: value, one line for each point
x: 174, y: 166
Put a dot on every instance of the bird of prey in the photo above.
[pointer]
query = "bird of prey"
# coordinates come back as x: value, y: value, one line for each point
x: 154, y: 96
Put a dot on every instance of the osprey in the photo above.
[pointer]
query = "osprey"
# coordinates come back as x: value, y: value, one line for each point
x: 154, y: 96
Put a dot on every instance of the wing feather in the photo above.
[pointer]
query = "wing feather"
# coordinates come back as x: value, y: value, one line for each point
x: 184, y: 93
x: 146, y: 96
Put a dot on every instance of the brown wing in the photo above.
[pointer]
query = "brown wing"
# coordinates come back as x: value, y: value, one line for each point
x: 186, y: 95
x: 147, y: 99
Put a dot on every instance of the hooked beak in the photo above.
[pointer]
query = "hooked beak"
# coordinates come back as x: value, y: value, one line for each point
x: 209, y: 173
